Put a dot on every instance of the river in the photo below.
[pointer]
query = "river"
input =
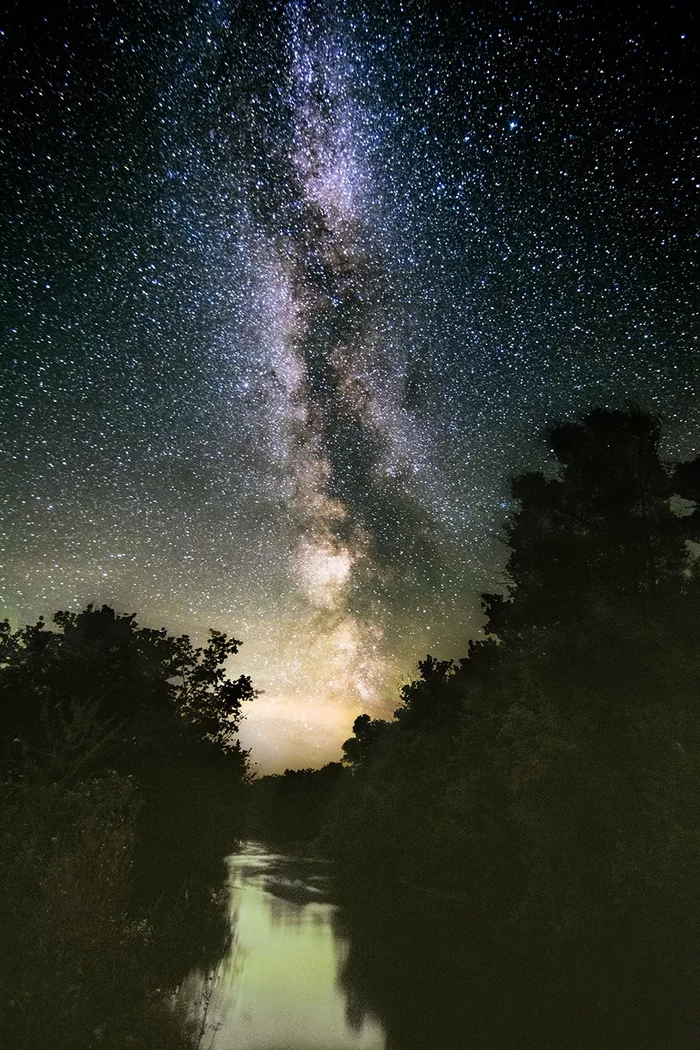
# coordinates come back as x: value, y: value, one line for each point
x: 279, y: 987
x: 303, y: 973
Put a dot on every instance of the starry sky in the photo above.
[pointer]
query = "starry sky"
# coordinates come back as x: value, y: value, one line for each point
x: 289, y: 290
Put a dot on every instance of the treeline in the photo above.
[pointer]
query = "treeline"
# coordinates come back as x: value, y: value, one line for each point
x: 291, y: 808
x: 552, y: 777
x: 122, y: 788
x: 544, y: 790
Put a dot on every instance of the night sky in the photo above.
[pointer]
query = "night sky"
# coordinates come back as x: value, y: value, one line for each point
x: 290, y: 289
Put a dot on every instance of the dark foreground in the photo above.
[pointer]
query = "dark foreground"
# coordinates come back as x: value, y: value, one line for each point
x: 313, y: 967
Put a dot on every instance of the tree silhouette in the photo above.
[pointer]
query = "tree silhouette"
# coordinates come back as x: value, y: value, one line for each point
x: 553, y: 775
x: 101, y: 684
x: 121, y: 793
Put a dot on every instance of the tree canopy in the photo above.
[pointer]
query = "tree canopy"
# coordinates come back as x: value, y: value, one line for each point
x: 555, y: 770
x: 120, y: 795
x: 100, y: 686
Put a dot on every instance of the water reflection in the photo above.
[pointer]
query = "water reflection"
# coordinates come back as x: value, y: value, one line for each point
x: 416, y: 973
x: 278, y: 987
x: 437, y: 978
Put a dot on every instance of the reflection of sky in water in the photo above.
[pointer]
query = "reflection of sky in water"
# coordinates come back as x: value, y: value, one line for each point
x: 277, y: 989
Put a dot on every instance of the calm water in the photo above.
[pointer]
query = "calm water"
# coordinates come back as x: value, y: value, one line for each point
x: 279, y: 987
x: 414, y: 974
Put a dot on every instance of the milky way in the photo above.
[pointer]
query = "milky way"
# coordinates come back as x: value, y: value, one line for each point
x: 290, y: 290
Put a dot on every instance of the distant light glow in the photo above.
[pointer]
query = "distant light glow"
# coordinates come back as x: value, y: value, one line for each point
x: 285, y: 301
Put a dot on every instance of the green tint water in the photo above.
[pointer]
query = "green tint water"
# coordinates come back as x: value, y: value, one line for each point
x: 279, y: 986
x: 415, y: 972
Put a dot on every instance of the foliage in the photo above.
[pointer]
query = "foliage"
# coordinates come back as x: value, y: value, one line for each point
x: 72, y: 970
x: 123, y: 790
x: 553, y: 775
x: 292, y: 807
x: 136, y: 684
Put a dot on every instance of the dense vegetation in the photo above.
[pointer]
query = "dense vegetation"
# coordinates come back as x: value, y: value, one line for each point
x: 121, y: 794
x: 290, y: 808
x: 540, y: 797
x: 552, y: 778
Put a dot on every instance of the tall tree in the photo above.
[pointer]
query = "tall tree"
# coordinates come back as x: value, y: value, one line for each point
x: 556, y: 771
x: 104, y: 689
